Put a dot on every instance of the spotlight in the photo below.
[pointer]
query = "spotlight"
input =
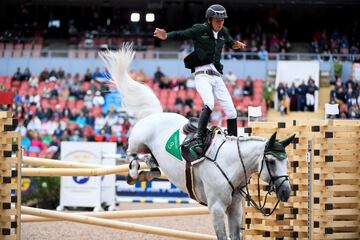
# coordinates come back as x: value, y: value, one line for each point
x: 150, y: 17
x: 135, y: 17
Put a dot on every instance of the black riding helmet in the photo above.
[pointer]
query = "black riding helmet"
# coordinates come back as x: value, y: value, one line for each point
x: 216, y: 11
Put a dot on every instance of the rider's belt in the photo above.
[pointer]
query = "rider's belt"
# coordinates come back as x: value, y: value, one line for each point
x: 209, y: 72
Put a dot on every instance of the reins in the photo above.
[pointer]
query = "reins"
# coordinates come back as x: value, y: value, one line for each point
x: 258, y: 206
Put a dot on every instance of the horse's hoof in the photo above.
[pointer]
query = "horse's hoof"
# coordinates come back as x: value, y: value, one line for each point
x: 130, y: 180
x: 154, y: 174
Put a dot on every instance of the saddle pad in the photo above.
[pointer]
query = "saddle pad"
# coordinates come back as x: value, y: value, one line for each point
x: 173, y: 144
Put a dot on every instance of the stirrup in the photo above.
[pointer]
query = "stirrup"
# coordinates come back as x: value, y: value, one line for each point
x: 197, y: 150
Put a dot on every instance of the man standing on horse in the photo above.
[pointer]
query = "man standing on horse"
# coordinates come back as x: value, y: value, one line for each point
x: 209, y: 39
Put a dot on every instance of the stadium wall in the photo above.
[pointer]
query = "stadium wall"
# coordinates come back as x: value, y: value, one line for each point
x: 171, y: 67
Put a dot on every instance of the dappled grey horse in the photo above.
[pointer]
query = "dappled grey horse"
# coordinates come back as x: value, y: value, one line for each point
x: 220, y: 180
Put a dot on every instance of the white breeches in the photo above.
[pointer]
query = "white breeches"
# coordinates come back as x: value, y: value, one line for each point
x: 210, y: 87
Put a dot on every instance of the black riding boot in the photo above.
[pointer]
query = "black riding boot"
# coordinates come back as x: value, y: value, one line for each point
x: 198, y: 147
x: 232, y: 127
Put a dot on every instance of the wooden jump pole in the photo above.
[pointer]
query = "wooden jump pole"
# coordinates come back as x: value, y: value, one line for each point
x: 67, y: 168
x: 51, y: 172
x: 165, y: 212
x: 115, y: 224
x: 34, y: 161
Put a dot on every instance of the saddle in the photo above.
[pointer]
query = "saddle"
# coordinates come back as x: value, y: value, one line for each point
x: 190, y: 129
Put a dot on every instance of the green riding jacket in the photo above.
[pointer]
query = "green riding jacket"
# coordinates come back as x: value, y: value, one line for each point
x: 207, y: 48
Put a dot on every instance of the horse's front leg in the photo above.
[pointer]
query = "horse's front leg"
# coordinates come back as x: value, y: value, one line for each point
x: 217, y: 211
x: 134, y: 166
x: 234, y: 213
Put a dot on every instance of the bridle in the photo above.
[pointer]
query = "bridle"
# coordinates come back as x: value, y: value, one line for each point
x: 246, y: 194
x: 258, y: 206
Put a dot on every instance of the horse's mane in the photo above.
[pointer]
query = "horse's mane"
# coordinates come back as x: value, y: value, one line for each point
x: 241, y: 139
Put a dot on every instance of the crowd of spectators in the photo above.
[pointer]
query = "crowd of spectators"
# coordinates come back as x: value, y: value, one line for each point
x: 56, y: 106
x: 299, y: 97
x: 347, y: 95
x: 334, y: 43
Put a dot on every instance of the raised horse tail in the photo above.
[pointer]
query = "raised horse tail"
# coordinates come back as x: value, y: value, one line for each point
x: 138, y: 98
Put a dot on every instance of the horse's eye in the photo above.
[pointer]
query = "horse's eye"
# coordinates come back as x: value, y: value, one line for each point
x: 271, y: 162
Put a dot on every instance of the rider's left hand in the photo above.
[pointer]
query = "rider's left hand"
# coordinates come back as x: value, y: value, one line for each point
x: 238, y: 45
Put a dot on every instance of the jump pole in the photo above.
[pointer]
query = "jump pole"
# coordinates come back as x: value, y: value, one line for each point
x: 166, y: 212
x: 115, y: 224
x: 34, y: 161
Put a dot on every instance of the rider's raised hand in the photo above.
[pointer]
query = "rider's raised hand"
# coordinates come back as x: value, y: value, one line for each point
x: 160, y: 33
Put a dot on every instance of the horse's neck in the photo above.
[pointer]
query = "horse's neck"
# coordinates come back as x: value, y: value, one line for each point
x: 251, y: 151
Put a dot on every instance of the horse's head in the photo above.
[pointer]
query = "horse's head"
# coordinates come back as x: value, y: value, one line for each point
x: 274, y: 167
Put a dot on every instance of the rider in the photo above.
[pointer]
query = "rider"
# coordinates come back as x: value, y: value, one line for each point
x: 209, y: 39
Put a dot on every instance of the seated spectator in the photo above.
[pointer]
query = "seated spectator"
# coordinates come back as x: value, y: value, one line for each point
x: 230, y: 78
x: 25, y: 142
x: 35, y: 145
x: 188, y: 100
x: 90, y: 119
x: 179, y: 104
x: 26, y: 75
x: 97, y: 74
x: 81, y: 120
x: 88, y: 75
x: 44, y: 75
x: 53, y: 146
x: 76, y: 136
x: 60, y: 73
x: 17, y: 75
x: 111, y: 117
x: 88, y: 99
x: 173, y: 83
x: 248, y: 87
x: 237, y: 91
x: 100, y: 122
x: 98, y: 99
x: 158, y: 75
x: 141, y: 77
x: 34, y: 123
x: 116, y: 128
x: 53, y: 73
x: 34, y: 81
x: 263, y: 53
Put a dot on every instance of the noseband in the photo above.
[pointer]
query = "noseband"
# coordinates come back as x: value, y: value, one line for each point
x: 246, y: 194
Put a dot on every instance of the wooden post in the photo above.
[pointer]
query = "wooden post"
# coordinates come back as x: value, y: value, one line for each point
x: 10, y: 178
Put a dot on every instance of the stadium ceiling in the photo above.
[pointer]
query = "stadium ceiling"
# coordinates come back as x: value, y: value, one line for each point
x: 161, y: 3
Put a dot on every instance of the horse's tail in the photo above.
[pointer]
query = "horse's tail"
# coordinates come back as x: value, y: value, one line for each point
x: 138, y: 98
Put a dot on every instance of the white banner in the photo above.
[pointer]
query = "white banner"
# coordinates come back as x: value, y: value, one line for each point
x: 85, y: 191
x: 297, y: 71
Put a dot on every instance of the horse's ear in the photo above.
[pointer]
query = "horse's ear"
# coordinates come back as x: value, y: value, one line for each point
x: 271, y: 140
x: 287, y: 141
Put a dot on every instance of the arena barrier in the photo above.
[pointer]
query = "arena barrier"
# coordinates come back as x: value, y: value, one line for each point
x: 324, y: 172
